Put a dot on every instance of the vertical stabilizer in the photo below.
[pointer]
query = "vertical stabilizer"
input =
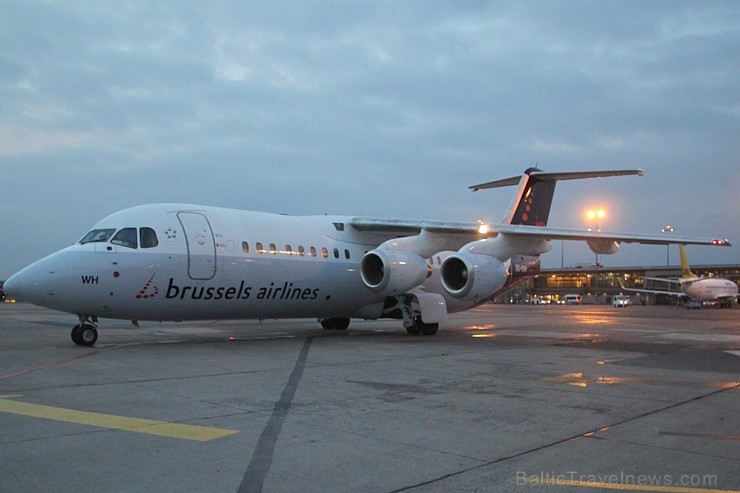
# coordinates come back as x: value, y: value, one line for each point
x: 685, y: 269
x: 531, y: 205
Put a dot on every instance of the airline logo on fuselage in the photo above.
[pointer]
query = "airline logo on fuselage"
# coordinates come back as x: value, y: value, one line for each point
x: 282, y: 291
x: 148, y: 291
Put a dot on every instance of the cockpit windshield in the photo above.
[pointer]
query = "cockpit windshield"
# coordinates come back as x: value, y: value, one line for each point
x: 126, y: 237
x: 97, y: 236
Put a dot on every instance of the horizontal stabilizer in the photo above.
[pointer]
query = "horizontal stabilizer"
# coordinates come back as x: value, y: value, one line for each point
x: 553, y: 177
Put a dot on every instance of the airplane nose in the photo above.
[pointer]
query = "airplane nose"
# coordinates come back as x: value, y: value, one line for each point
x: 31, y: 284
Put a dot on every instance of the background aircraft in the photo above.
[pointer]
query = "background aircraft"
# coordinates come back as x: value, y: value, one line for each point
x: 191, y: 262
x: 695, y: 287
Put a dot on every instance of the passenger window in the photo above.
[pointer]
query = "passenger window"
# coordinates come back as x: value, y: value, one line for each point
x: 148, y: 238
x: 260, y: 248
x: 346, y: 254
x: 336, y: 253
x: 324, y: 252
x: 301, y: 251
x: 125, y: 237
x: 245, y: 247
x: 97, y: 235
x: 313, y: 251
x: 273, y: 248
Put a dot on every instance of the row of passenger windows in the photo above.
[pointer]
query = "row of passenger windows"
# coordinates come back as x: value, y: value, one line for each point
x: 147, y: 238
x: 312, y: 252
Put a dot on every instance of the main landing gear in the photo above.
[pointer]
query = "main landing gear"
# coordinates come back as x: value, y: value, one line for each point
x: 412, y: 319
x: 86, y: 332
x: 414, y: 325
x: 417, y: 326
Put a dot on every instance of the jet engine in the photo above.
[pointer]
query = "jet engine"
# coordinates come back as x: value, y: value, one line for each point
x: 602, y: 246
x: 391, y: 272
x: 472, y: 276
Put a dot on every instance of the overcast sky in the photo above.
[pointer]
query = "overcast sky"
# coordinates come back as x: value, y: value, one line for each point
x: 375, y: 108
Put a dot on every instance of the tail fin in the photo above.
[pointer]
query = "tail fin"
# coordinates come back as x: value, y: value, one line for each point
x: 685, y: 269
x: 531, y: 203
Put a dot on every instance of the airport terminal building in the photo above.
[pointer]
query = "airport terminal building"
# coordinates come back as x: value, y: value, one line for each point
x: 599, y: 285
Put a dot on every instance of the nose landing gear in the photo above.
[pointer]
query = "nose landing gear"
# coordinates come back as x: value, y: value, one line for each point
x: 86, y: 332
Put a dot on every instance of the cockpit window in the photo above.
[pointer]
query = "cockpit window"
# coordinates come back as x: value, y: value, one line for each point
x: 125, y: 237
x: 148, y: 238
x: 97, y: 235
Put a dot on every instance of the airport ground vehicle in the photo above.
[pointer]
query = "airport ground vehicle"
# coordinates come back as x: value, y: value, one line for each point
x: 572, y: 299
x: 620, y: 301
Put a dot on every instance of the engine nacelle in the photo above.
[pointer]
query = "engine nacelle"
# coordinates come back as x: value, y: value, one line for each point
x: 472, y: 276
x: 604, y: 247
x: 391, y: 272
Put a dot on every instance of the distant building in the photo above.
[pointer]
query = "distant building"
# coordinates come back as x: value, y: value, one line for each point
x: 597, y: 286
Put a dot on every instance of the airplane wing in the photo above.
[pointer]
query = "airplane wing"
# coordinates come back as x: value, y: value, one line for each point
x: 574, y: 234
x: 406, y: 227
x: 651, y: 291
x: 401, y: 227
x: 662, y: 279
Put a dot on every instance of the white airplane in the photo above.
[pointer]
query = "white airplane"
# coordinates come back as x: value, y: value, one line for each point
x: 695, y: 287
x: 175, y: 262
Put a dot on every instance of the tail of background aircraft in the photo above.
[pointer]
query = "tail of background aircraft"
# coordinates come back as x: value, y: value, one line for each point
x: 685, y: 269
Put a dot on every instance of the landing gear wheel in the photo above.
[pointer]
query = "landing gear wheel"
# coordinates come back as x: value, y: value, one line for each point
x: 84, y: 335
x: 414, y: 330
x: 335, y: 323
x: 76, y: 335
x: 429, y: 329
x: 419, y: 327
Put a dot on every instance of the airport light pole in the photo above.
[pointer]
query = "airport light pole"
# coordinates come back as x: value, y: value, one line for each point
x: 596, y: 214
x: 668, y: 229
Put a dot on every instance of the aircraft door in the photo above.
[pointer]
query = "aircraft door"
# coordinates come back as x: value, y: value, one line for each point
x: 201, y: 245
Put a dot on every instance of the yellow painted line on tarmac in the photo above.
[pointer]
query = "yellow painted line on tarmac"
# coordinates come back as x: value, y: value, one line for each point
x: 136, y: 425
x: 622, y: 487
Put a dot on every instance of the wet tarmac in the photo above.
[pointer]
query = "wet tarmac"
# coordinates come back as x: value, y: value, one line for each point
x: 504, y: 398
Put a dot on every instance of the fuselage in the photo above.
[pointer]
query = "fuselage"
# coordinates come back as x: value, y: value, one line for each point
x: 709, y: 289
x: 191, y: 262
x: 205, y: 263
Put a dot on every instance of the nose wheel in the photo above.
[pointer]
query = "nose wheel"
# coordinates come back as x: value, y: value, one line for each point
x: 85, y: 333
